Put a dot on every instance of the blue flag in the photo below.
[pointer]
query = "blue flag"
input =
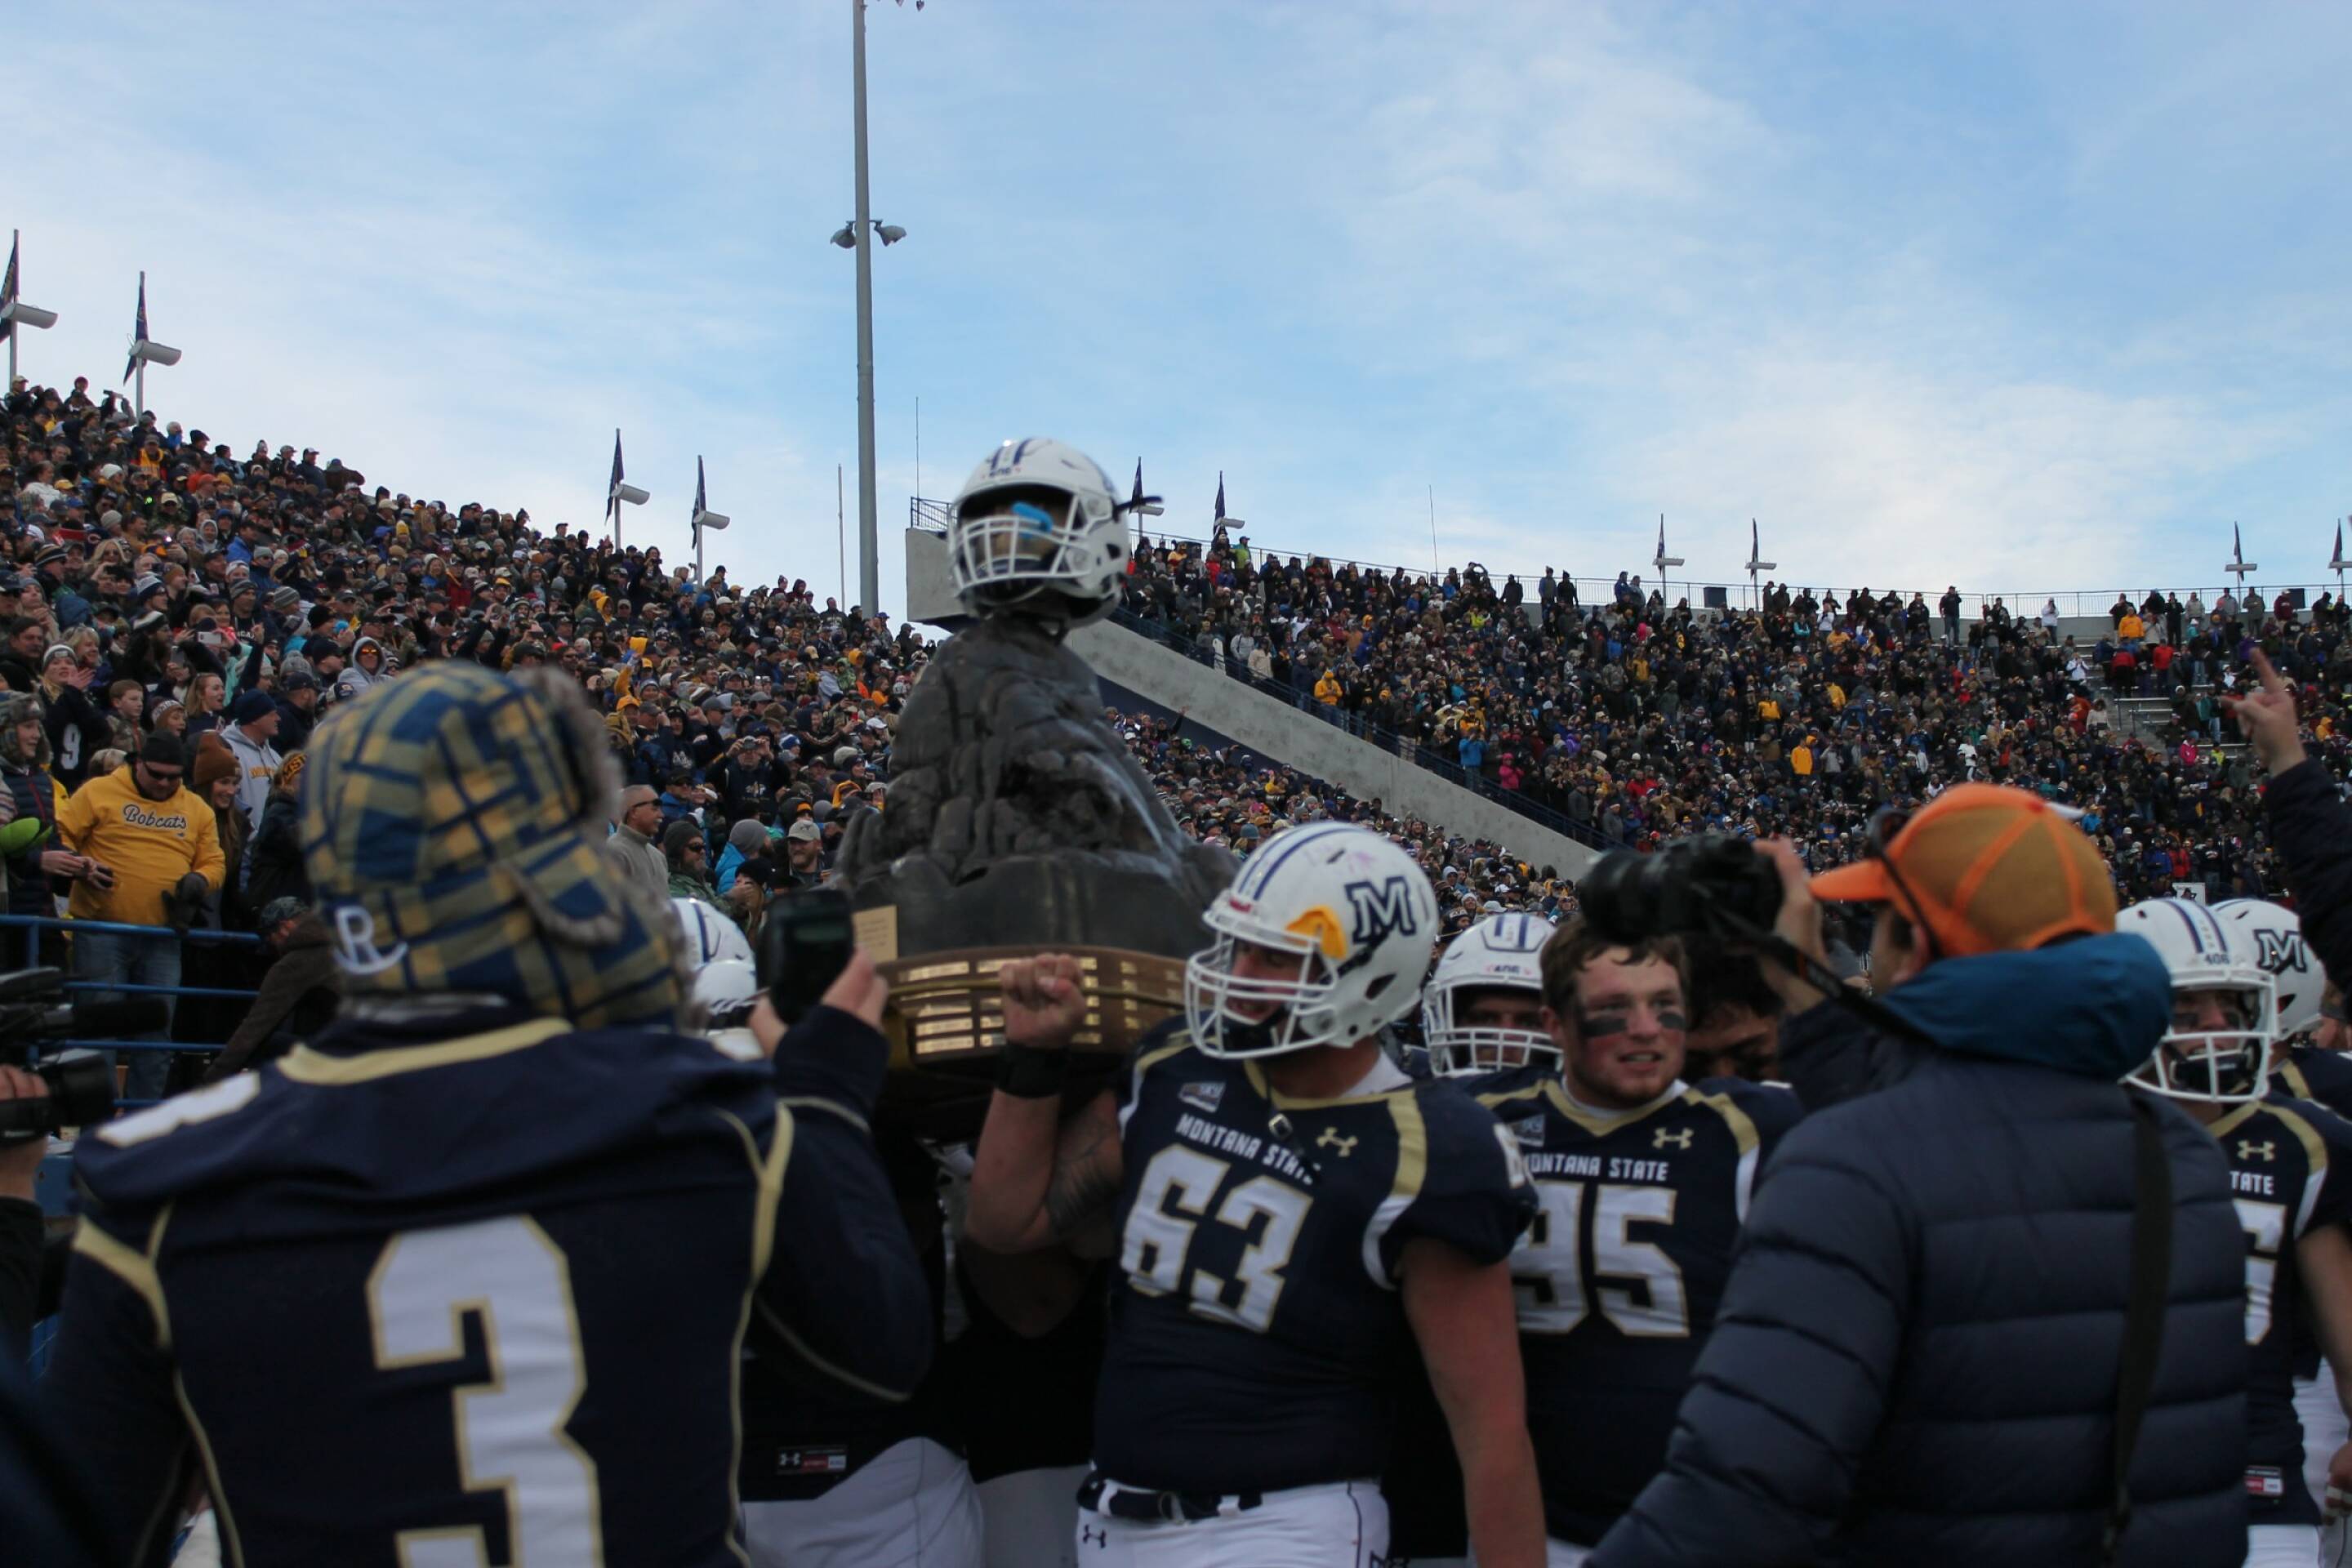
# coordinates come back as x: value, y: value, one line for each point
x: 1755, y: 545
x: 613, y: 493
x: 1220, y: 492
x: 1133, y: 501
x: 2339, y: 546
x: 8, y: 295
x: 700, y: 504
x: 2237, y: 546
x: 139, y: 331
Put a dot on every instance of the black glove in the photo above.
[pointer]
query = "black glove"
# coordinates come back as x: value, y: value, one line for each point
x: 185, y: 903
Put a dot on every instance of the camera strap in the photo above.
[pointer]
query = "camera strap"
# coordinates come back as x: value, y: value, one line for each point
x: 2151, y: 1275
x: 1819, y: 975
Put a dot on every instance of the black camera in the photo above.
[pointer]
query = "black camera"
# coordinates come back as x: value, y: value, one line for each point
x: 81, y: 1094
x: 1711, y: 883
x: 804, y: 946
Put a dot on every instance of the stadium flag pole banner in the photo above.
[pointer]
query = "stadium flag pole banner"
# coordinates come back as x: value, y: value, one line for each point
x: 613, y: 490
x: 8, y: 304
x: 695, y: 521
x: 138, y: 332
x: 2239, y: 565
x: 2335, y: 562
x: 1220, y: 491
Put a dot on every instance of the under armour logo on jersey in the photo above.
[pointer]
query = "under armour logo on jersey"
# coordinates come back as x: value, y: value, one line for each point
x: 2249, y: 1150
x: 1332, y: 1140
x: 2277, y: 951
x: 1381, y: 910
x: 1090, y: 1536
x: 1666, y: 1139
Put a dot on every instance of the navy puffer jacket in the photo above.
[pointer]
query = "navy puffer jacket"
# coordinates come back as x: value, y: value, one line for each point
x: 1916, y: 1356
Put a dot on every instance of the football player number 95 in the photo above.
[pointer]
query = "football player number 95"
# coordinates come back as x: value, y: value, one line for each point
x: 1152, y: 1252
x: 510, y: 1428
x: 1549, y: 1269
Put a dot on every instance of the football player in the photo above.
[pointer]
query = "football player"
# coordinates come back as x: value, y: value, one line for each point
x: 2272, y: 935
x: 1643, y: 1184
x: 1289, y: 1213
x: 1482, y: 1024
x: 2291, y: 1168
x: 466, y: 1278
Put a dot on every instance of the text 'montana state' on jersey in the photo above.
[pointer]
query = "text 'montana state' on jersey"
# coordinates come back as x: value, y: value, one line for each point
x: 455, y: 1300
x: 2290, y: 1172
x: 1619, y: 1278
x: 1257, y: 1323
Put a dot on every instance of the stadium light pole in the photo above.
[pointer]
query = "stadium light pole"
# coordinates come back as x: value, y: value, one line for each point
x: 14, y: 314
x: 859, y: 234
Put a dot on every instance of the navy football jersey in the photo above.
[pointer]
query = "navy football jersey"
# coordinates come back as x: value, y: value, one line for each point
x: 2290, y: 1172
x: 1619, y: 1276
x: 2323, y: 1078
x: 444, y: 1301
x: 1256, y: 1325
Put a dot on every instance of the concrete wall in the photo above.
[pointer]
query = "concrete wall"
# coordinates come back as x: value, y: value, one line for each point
x: 1265, y: 724
x: 1274, y: 729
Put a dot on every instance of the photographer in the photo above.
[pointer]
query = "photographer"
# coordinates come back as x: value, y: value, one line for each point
x: 1888, y: 1381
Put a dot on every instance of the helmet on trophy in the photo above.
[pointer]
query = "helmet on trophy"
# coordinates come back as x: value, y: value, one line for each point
x: 1037, y: 531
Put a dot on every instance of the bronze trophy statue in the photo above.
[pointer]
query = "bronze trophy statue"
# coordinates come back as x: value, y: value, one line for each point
x: 1017, y: 822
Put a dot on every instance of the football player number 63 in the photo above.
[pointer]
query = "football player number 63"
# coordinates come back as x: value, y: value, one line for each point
x: 510, y: 1427
x: 1548, y: 1267
x: 1152, y: 1251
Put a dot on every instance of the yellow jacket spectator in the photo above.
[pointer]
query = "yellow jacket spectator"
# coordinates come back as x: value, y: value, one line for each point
x: 1327, y: 689
x: 157, y: 855
x: 142, y: 824
x: 2131, y: 627
x: 1800, y: 759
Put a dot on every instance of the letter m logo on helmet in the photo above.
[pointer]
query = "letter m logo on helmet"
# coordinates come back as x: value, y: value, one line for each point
x: 1382, y: 909
x: 2279, y: 952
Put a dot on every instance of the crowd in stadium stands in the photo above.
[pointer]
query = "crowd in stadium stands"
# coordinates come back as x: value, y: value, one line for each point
x: 180, y: 616
x: 1630, y: 721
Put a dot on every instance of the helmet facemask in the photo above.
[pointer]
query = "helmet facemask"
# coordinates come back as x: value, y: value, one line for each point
x: 2225, y: 1066
x: 1026, y: 545
x: 1457, y: 1049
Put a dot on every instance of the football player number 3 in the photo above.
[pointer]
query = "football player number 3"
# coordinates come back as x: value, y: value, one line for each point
x: 510, y: 1427
x: 1180, y: 1183
x: 1548, y: 1267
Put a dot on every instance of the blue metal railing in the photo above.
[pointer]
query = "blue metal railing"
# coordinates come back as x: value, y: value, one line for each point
x: 27, y: 952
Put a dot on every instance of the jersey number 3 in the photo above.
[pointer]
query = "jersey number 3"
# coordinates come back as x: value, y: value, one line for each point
x: 510, y: 1427
x: 1548, y: 1267
x: 1153, y: 1251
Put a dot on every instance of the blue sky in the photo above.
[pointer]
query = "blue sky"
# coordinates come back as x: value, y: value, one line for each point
x: 2024, y: 296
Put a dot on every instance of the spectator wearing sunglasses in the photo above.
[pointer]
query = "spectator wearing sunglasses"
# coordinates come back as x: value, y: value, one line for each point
x: 1918, y: 1353
x: 156, y: 856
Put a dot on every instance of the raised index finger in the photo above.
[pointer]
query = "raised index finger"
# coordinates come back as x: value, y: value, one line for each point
x: 2272, y: 681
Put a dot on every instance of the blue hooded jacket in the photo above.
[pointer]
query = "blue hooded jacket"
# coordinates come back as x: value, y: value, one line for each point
x: 1916, y: 1355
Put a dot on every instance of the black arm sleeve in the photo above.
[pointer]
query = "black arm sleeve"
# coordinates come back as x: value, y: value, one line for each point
x: 2313, y: 830
x: 843, y: 1290
x: 20, y: 1274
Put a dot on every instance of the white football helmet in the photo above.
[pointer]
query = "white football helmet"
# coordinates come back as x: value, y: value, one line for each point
x: 2273, y: 934
x: 1037, y: 528
x: 1354, y: 907
x: 2231, y: 1066
x: 726, y: 978
x: 1500, y: 953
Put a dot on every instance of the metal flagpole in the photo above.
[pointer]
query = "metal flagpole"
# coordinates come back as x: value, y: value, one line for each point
x: 869, y: 550
x: 839, y: 536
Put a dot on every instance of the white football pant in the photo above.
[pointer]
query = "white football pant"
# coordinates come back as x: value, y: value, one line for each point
x: 1558, y: 1554
x: 2281, y: 1546
x: 1031, y: 1517
x: 912, y: 1506
x: 1344, y: 1524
